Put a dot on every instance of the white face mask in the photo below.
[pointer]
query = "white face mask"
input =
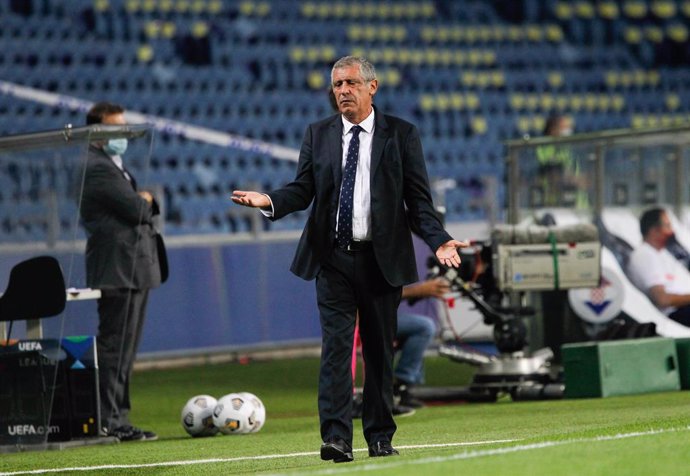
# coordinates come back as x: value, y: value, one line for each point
x: 116, y: 146
x: 567, y: 132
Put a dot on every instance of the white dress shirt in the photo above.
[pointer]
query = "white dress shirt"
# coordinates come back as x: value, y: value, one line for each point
x: 361, y: 201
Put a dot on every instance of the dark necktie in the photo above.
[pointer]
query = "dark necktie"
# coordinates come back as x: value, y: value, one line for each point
x: 347, y: 190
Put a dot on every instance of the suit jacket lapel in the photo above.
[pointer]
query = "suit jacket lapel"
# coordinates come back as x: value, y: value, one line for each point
x: 378, y: 142
x: 335, y: 149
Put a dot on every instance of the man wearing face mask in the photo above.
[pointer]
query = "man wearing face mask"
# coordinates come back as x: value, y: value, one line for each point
x: 124, y: 255
x: 654, y: 270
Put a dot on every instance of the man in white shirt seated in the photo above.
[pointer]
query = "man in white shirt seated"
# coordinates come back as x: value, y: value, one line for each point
x: 654, y: 270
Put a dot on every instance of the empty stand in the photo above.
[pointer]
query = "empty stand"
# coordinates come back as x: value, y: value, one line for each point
x: 469, y: 74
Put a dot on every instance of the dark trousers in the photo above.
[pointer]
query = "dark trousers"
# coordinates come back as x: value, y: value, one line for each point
x: 121, y: 315
x: 351, y: 282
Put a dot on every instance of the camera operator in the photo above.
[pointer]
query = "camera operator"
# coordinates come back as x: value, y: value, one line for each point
x: 415, y: 333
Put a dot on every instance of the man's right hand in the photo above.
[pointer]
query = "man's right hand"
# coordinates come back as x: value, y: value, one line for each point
x: 250, y: 199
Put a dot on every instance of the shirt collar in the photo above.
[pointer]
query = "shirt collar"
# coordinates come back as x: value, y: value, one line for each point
x: 367, y: 124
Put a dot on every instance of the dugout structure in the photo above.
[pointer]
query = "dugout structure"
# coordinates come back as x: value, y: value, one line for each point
x: 49, y: 395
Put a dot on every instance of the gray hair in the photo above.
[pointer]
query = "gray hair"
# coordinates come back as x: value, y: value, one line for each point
x: 366, y: 69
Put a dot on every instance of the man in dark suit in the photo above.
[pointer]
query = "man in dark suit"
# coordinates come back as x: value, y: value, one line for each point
x: 122, y: 260
x: 364, y: 175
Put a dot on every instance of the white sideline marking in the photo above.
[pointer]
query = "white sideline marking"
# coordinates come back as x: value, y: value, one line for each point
x: 231, y: 460
x: 372, y: 466
x: 489, y: 452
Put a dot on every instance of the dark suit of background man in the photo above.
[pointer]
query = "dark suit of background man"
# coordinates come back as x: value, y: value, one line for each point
x: 367, y: 273
x: 122, y: 260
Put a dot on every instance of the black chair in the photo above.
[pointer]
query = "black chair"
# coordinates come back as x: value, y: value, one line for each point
x: 36, y: 289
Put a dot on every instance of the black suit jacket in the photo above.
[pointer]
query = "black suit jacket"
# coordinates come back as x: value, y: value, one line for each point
x: 122, y: 249
x: 398, y: 181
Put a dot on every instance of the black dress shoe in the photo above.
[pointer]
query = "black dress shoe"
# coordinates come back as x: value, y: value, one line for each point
x: 336, y: 450
x: 382, y: 448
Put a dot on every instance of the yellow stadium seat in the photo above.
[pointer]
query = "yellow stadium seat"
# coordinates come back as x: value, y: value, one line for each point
x: 524, y: 124
x: 633, y: 35
x: 145, y: 54
x: 182, y: 6
x: 354, y: 32
x: 685, y: 8
x: 101, y: 5
x: 426, y: 102
x: 617, y: 102
x: 214, y: 6
x: 554, y: 33
x: 590, y: 102
x: 328, y: 53
x: 263, y: 9
x: 390, y: 55
x: 576, y: 102
x: 442, y: 102
x: 148, y: 6
x: 532, y: 102
x: 199, y: 29
x: 654, y: 34
x: 517, y: 101
x: 663, y: 8
x: 479, y: 125
x: 468, y: 78
x: 369, y: 33
x: 555, y: 79
x: 315, y: 80
x: 546, y: 101
x: 603, y: 102
x: 297, y: 54
x: 393, y: 78
x: 515, y: 33
x: 339, y: 10
x: 563, y: 10
x: 472, y: 101
x: 611, y: 79
x: 323, y: 10
x: 168, y: 29
x: 584, y: 10
x: 445, y: 57
x: 198, y: 6
x: 635, y: 9
x: 538, y: 122
x: 369, y: 10
x: 677, y: 32
x: 638, y: 121
x: 672, y: 102
x: 534, y: 33
x: 427, y: 34
x: 247, y: 8
x: 457, y: 101
x: 152, y: 29
x: 404, y: 56
x: 608, y: 10
x: 132, y: 6
x: 308, y: 10
x: 428, y: 10
x: 399, y: 33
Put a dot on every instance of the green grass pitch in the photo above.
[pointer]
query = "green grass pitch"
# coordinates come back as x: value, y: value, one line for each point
x: 635, y: 435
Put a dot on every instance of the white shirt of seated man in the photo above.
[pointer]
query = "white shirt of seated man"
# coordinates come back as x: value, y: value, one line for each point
x: 656, y: 272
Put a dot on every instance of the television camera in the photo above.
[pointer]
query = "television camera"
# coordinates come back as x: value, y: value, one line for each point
x: 495, y: 275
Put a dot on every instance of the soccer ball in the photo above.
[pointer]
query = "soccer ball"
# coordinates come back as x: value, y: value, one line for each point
x: 260, y: 415
x: 234, y: 414
x: 197, y: 416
